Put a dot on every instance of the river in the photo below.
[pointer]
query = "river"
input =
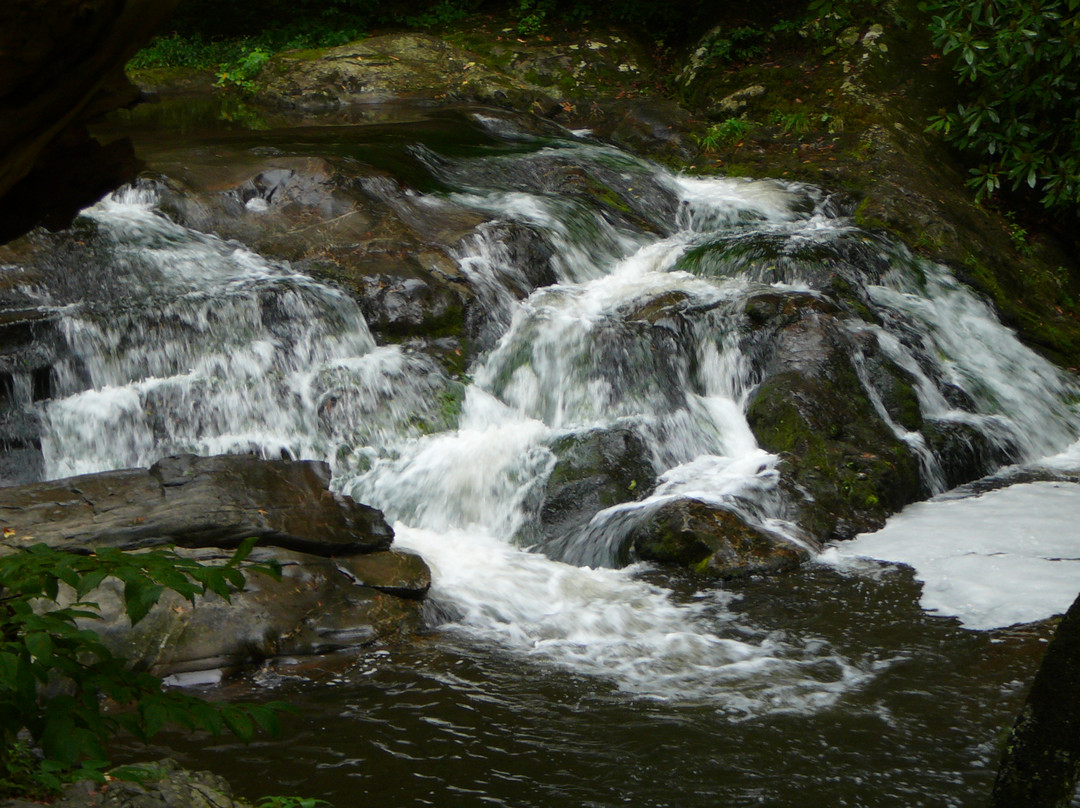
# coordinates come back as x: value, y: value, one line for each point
x: 550, y: 674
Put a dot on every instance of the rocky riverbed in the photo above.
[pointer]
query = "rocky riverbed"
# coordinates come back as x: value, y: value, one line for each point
x: 433, y: 206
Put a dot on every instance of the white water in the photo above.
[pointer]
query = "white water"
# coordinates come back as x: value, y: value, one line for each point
x: 219, y: 350
x: 1009, y: 556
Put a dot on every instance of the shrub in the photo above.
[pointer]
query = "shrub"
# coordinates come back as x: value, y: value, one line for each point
x: 1017, y: 63
x: 55, y: 674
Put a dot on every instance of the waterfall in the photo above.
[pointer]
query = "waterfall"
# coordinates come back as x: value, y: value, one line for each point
x: 201, y: 345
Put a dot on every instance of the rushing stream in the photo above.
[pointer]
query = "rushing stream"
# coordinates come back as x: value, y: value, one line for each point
x: 552, y: 676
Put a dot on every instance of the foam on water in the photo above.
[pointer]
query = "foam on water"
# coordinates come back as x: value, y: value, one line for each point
x: 604, y: 622
x: 1009, y: 556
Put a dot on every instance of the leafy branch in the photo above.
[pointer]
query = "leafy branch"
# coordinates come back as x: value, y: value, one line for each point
x: 56, y: 674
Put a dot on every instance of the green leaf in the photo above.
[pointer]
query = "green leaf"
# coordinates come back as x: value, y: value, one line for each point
x: 265, y: 717
x: 9, y: 671
x: 40, y: 646
x: 238, y: 722
x: 140, y: 595
x: 243, y: 551
x: 154, y: 717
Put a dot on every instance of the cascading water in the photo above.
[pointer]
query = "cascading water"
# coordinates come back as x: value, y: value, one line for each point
x: 197, y: 344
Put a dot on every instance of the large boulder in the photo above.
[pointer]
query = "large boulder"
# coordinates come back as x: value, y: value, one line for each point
x: 844, y: 466
x: 594, y: 470
x: 388, y: 67
x: 340, y: 585
x: 192, y: 501
x: 688, y: 532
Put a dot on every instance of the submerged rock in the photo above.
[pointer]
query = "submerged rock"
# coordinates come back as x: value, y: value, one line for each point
x: 691, y: 533
x: 340, y: 586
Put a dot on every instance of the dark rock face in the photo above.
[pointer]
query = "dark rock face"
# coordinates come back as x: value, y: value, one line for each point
x: 61, y: 62
x: 691, y: 533
x: 1041, y: 762
x: 594, y: 470
x: 340, y: 586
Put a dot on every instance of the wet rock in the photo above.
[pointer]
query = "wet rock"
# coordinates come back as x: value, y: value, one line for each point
x: 844, y: 467
x: 29, y: 347
x: 194, y: 502
x: 397, y: 573
x: 840, y: 266
x: 965, y: 453
x: 388, y: 67
x: 348, y: 225
x: 317, y: 607
x: 1040, y: 764
x: 691, y: 533
x: 339, y: 586
x: 594, y: 470
x: 656, y: 128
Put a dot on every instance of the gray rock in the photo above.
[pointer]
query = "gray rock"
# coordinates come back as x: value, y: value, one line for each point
x: 339, y: 586
x: 194, y: 502
x: 173, y: 787
x: 317, y: 607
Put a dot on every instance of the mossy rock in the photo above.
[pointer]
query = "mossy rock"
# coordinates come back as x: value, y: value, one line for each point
x: 392, y: 66
x: 594, y: 470
x: 843, y: 467
x: 710, y: 540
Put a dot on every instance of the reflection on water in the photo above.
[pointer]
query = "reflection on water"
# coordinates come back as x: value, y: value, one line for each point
x: 455, y: 722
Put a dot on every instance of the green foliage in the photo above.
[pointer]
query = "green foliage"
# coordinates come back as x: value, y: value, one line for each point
x: 1017, y: 62
x: 241, y: 74
x: 725, y: 133
x: 738, y: 45
x: 794, y: 123
x: 1018, y: 235
x: 290, y: 802
x: 531, y: 14
x: 441, y: 13
x: 55, y: 673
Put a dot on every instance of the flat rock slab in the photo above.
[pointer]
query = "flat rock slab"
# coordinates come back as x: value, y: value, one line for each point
x: 340, y: 586
x: 191, y: 501
x: 315, y: 608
